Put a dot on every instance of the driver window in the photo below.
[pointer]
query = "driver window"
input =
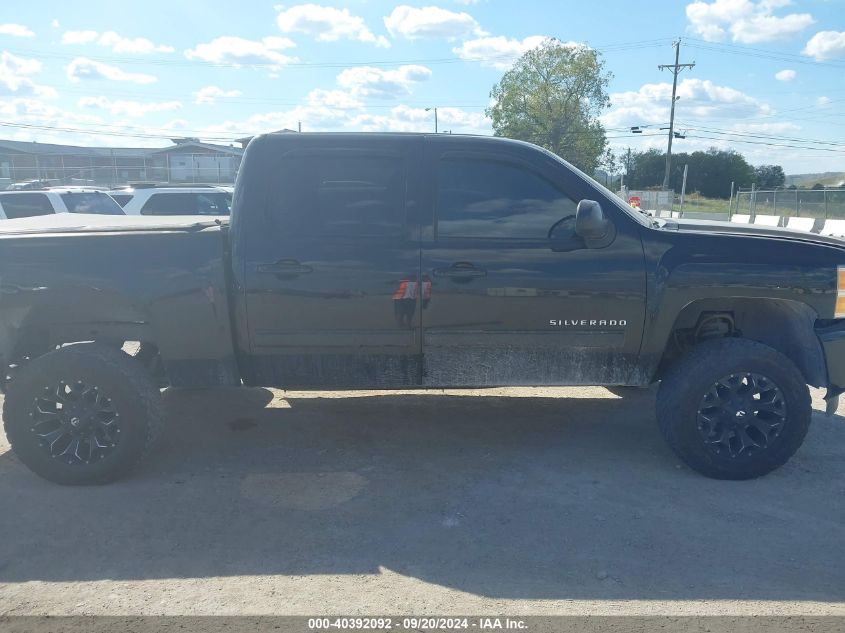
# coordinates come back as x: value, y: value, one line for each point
x: 479, y: 198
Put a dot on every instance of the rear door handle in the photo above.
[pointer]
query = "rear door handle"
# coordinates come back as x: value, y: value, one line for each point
x: 289, y: 267
x: 461, y: 271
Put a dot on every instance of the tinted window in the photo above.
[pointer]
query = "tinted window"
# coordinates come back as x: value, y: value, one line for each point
x: 337, y: 194
x: 91, y: 202
x: 121, y: 198
x: 210, y: 203
x: 26, y: 205
x: 478, y: 198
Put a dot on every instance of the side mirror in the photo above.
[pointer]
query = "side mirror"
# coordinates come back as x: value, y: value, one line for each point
x: 591, y: 225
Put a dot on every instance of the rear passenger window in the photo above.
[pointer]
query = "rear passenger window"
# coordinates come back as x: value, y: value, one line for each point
x: 489, y: 199
x: 211, y: 203
x: 26, y: 205
x: 91, y: 202
x: 339, y: 194
x: 169, y: 204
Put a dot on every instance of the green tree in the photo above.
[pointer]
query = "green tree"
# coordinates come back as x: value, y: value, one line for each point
x: 769, y: 176
x: 553, y: 97
x: 710, y: 173
x: 646, y: 169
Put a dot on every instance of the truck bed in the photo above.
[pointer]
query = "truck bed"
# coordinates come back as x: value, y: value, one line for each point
x: 77, y: 222
x: 120, y: 278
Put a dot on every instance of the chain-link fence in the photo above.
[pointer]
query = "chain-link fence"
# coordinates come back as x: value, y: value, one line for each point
x: 120, y: 170
x: 649, y: 201
x: 803, y: 203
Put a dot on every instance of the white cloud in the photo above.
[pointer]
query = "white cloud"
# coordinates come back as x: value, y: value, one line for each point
x: 116, y: 42
x: 700, y: 99
x: 826, y: 45
x: 499, y: 52
x: 318, y: 116
x: 138, y: 45
x: 368, y: 81
x: 238, y: 51
x: 338, y: 99
x: 748, y: 21
x: 15, y: 77
x: 326, y: 24
x: 416, y: 22
x: 823, y: 102
x: 15, y: 30
x: 79, y: 37
x: 84, y: 68
x: 128, y: 108
x: 405, y: 118
x: 786, y: 75
x: 37, y: 112
x: 55, y: 23
x: 210, y: 94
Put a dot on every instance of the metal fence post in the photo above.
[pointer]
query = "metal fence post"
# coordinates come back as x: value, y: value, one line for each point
x: 731, y: 201
x: 753, y: 205
x: 797, y: 205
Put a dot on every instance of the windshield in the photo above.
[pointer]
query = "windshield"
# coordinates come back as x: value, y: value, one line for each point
x: 91, y: 202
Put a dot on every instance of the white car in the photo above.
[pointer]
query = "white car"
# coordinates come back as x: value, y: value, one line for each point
x: 25, y: 204
x: 166, y: 200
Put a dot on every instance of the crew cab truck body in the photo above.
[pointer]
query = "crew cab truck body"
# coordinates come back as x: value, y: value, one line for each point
x: 392, y: 261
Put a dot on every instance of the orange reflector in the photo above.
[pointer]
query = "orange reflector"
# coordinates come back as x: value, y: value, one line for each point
x: 840, y: 293
x: 840, y: 307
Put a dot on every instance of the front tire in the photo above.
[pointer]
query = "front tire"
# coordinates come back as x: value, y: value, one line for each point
x: 83, y: 414
x: 734, y: 409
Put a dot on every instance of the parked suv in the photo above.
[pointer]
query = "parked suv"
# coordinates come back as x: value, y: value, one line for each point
x: 24, y: 204
x: 170, y: 200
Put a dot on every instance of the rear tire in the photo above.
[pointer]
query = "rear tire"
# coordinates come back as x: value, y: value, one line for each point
x: 734, y: 409
x: 83, y: 414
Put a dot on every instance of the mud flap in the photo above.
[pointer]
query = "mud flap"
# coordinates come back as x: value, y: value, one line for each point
x: 831, y: 399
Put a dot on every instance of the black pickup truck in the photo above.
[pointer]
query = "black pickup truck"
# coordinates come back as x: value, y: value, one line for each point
x: 385, y: 261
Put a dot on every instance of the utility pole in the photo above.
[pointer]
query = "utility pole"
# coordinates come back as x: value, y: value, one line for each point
x: 435, y: 118
x: 676, y: 68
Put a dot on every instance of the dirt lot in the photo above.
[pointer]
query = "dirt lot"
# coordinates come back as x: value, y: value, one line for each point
x: 517, y: 501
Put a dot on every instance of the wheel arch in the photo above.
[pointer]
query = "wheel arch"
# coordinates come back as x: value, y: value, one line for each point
x: 784, y: 325
x: 49, y: 324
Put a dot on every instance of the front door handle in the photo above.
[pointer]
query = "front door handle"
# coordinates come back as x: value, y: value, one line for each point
x: 461, y: 271
x: 285, y: 267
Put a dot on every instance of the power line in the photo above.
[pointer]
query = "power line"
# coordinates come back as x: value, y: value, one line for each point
x: 758, y: 135
x: 749, y: 142
x: 609, y: 48
x: 760, y: 53
x: 152, y: 133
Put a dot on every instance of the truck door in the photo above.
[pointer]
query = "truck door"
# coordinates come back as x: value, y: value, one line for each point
x: 506, y: 304
x: 331, y: 268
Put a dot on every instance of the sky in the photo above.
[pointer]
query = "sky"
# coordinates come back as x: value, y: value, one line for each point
x: 768, y: 81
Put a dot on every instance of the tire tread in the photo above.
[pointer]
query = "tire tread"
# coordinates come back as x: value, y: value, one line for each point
x: 674, y: 395
x: 118, y: 362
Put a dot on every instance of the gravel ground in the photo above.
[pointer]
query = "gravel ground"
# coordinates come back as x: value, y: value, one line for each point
x: 503, y: 501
